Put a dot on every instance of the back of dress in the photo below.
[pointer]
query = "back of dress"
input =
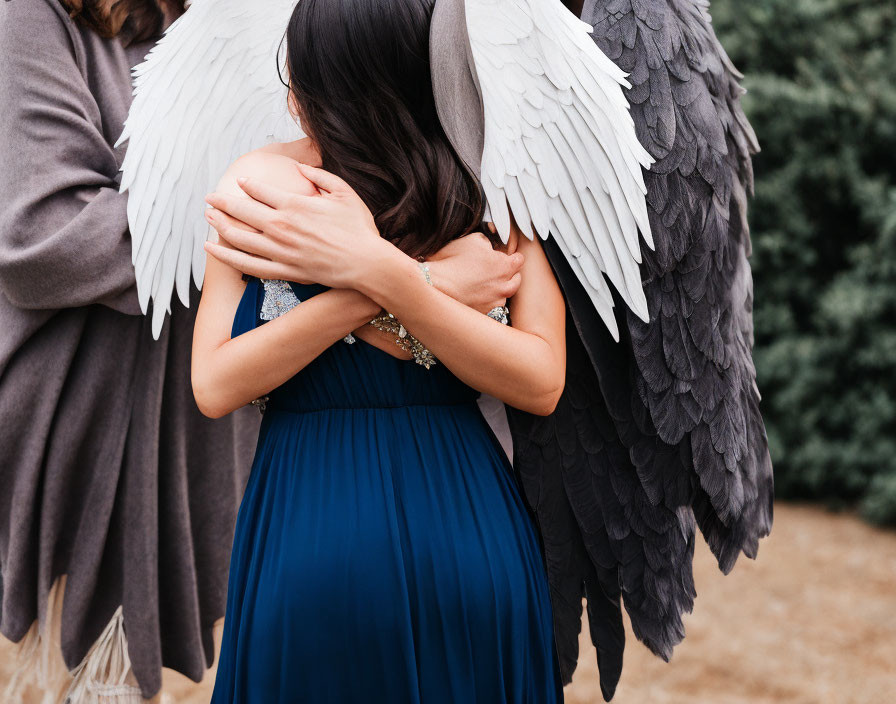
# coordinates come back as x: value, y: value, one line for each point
x: 357, y: 375
x: 382, y: 526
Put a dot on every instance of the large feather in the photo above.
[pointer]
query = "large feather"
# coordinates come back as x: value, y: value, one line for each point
x: 207, y: 93
x: 559, y: 144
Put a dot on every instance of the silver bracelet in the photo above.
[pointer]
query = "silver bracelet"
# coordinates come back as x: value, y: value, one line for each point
x: 501, y: 314
x: 389, y: 323
x: 424, y: 267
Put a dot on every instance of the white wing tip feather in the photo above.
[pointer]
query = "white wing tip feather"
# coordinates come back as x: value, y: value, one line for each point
x: 167, y: 168
x: 611, y: 160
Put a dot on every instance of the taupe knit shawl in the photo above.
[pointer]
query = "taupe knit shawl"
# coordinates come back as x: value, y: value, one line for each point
x: 108, y: 472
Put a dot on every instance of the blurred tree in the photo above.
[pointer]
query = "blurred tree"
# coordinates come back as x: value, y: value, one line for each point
x: 821, y: 81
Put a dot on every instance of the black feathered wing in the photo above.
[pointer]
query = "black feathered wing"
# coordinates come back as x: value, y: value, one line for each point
x: 662, y: 431
x: 691, y: 368
x: 694, y: 371
x: 624, y: 546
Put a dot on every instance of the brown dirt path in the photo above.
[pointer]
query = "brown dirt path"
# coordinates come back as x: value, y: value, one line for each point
x: 812, y: 621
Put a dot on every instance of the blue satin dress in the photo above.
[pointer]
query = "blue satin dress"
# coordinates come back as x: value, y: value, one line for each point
x: 382, y: 551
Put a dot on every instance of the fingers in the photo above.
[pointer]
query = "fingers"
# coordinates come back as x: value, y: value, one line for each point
x: 223, y: 223
x: 324, y: 180
x: 250, y: 211
x: 265, y: 192
x: 246, y: 263
x: 251, y: 242
x: 509, y: 264
x: 512, y: 285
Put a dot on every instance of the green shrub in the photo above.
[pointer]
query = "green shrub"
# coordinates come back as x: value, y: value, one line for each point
x: 821, y: 81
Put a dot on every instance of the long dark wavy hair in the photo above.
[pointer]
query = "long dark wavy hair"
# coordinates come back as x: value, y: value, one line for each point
x: 359, y: 71
x: 129, y: 20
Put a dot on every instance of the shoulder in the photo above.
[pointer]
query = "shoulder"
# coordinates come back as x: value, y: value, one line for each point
x: 301, y: 150
x: 271, y: 163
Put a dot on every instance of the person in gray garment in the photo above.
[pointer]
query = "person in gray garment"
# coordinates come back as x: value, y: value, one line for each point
x: 109, y: 476
x: 114, y: 489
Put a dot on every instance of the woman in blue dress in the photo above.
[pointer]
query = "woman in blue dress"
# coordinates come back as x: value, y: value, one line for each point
x: 382, y: 551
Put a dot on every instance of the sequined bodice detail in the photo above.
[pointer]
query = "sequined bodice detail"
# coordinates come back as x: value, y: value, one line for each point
x: 358, y: 375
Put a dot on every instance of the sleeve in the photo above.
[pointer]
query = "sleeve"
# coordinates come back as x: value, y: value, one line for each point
x: 64, y: 239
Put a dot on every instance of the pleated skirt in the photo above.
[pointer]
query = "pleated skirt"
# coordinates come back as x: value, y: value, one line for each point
x: 385, y: 555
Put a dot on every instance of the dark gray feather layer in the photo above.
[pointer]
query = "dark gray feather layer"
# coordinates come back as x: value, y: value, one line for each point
x: 660, y: 433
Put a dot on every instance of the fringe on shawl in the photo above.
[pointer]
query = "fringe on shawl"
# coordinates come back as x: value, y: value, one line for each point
x: 102, y: 677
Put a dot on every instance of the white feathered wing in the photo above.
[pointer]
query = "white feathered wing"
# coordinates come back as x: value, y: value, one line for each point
x: 559, y: 148
x: 559, y: 144
x: 207, y: 93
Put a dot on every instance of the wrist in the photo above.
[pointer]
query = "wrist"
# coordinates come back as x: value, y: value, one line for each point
x: 386, y: 271
x: 361, y: 307
x: 367, y: 307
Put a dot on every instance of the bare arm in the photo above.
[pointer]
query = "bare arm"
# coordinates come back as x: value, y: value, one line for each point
x: 523, y: 365
x: 333, y: 239
x: 229, y: 373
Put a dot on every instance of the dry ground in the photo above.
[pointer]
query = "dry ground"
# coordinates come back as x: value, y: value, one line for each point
x: 812, y: 621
